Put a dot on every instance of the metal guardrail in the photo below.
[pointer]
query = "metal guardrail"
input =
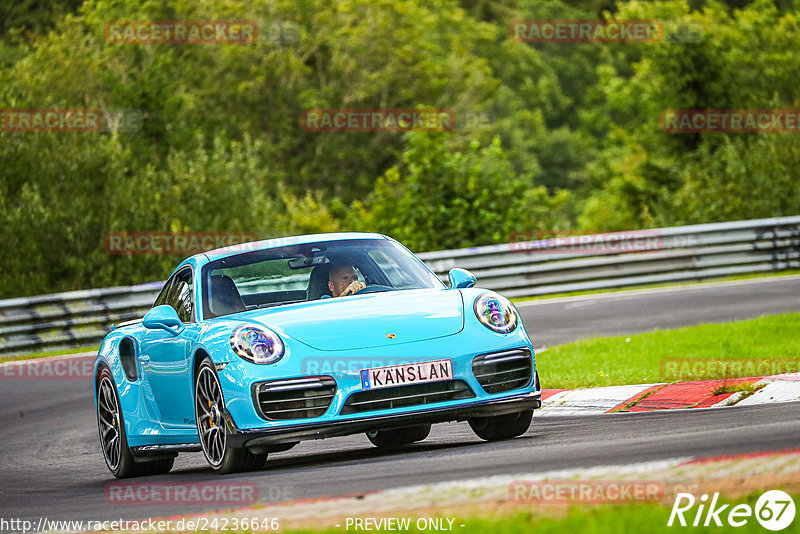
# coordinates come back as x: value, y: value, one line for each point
x: 520, y: 269
x: 681, y: 254
x: 69, y: 320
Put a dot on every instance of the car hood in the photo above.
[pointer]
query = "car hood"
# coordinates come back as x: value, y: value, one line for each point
x: 365, y: 321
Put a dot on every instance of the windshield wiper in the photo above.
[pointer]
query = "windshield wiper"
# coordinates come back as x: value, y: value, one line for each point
x: 273, y: 304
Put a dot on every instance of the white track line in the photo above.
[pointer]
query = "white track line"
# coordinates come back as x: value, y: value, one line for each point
x: 775, y: 391
x: 589, y: 401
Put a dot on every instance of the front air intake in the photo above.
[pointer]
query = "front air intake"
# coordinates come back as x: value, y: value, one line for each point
x: 408, y: 395
x: 294, y: 398
x: 503, y: 371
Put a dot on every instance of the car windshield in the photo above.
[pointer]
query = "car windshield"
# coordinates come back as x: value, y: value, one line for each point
x: 296, y: 273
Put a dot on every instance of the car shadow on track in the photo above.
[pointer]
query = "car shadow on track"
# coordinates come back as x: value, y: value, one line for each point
x: 338, y: 456
x: 283, y: 463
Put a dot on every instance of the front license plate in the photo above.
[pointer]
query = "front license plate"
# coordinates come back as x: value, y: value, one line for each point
x: 412, y: 373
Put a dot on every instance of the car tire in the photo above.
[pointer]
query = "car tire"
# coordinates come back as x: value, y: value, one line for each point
x: 114, y: 441
x: 211, y: 429
x: 398, y: 437
x: 499, y: 427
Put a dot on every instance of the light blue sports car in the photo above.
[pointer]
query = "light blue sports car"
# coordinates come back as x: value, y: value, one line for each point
x: 253, y: 348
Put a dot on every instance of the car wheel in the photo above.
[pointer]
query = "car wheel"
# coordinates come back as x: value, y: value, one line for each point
x: 500, y: 427
x: 398, y: 437
x: 113, y: 439
x: 209, y: 405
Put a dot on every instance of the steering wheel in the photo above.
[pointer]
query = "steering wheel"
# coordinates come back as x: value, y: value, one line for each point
x: 373, y: 288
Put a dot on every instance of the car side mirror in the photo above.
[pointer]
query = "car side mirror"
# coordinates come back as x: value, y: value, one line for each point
x: 461, y: 278
x: 163, y: 317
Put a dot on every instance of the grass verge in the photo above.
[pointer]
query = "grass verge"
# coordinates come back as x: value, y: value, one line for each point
x: 590, y: 519
x: 707, y: 351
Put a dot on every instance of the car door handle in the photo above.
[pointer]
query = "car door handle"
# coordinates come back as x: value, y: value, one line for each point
x: 144, y: 358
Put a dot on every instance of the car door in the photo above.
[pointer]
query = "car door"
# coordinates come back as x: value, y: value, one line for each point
x: 165, y: 357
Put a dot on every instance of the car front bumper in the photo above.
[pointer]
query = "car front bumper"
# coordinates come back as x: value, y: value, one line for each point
x: 263, y: 438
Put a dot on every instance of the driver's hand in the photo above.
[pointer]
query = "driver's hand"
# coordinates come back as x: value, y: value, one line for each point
x: 354, y: 287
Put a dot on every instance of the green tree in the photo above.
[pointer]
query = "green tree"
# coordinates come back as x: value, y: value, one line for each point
x: 735, y: 60
x: 437, y: 198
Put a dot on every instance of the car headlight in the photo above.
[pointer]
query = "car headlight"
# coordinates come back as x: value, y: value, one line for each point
x: 257, y: 344
x: 496, y: 313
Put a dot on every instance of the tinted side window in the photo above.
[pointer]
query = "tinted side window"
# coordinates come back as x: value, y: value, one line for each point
x: 162, y: 297
x: 177, y: 293
x: 181, y: 298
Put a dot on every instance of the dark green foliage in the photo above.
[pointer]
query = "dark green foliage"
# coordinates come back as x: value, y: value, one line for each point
x: 569, y: 135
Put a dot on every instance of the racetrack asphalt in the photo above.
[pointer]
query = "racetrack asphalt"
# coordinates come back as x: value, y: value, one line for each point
x: 556, y: 321
x: 51, y: 465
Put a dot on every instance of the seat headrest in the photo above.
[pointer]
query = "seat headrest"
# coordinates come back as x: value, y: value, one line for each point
x: 224, y: 298
x: 318, y: 282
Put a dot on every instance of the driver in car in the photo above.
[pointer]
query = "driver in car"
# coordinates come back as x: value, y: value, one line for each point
x: 343, y: 280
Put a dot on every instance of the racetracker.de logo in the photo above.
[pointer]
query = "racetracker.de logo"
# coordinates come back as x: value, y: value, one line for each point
x: 176, y: 493
x: 585, y: 491
x: 51, y: 120
x: 689, y: 368
x: 181, y: 32
x: 567, y: 242
x: 586, y: 31
x: 51, y: 368
x: 182, y: 243
x: 70, y: 120
x: 377, y: 120
x: 731, y: 121
x: 353, y: 365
